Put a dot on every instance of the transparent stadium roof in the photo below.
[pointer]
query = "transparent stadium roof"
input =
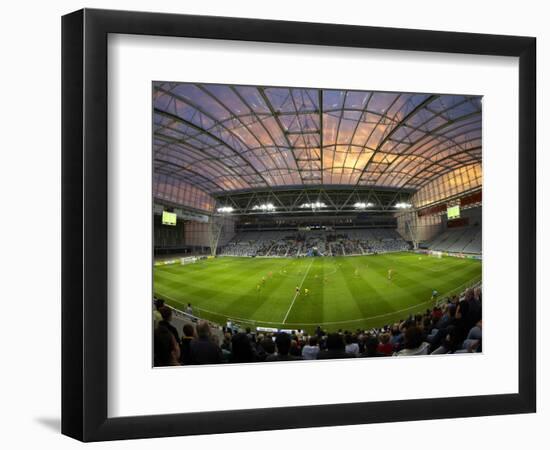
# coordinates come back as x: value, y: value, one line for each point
x: 224, y: 138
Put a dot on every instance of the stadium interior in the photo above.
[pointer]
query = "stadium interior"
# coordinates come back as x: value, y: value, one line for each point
x: 300, y: 223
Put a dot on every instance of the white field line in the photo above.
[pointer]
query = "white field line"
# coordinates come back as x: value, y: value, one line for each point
x: 318, y: 323
x: 321, y: 323
x: 296, y: 293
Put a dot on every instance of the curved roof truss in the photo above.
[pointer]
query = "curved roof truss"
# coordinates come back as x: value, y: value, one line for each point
x: 224, y: 138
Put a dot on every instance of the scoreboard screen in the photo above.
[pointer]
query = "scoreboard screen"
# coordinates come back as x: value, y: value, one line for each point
x: 453, y: 212
x: 168, y: 218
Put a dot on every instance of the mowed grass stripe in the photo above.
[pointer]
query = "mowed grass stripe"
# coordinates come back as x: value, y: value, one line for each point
x: 227, y: 287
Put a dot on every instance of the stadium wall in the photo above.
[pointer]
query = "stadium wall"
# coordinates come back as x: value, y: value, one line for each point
x: 422, y: 228
x: 473, y: 217
x: 196, y: 234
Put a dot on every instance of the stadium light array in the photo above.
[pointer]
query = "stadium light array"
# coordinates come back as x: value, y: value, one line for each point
x: 264, y: 207
x: 225, y: 209
x: 362, y: 205
x: 403, y: 205
x: 315, y: 205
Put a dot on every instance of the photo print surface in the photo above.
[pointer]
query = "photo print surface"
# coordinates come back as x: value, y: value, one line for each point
x: 299, y: 224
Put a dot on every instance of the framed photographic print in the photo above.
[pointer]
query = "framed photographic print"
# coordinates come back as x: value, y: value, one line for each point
x: 285, y: 224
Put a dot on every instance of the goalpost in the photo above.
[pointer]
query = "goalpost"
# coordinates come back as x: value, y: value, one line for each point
x: 188, y: 260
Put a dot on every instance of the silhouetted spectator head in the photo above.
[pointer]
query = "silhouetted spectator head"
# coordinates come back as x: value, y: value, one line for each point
x: 282, y: 341
x: 188, y: 330
x: 159, y: 303
x: 477, y: 293
x: 241, y: 348
x: 294, y: 349
x: 166, y: 349
x: 166, y: 313
x: 335, y: 342
x: 451, y: 310
x: 268, y: 345
x: 427, y: 323
x: 203, y: 329
x: 313, y: 341
x: 413, y: 337
x: 371, y: 345
x: 384, y: 338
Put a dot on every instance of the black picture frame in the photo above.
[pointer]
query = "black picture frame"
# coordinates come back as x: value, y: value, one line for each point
x: 84, y: 224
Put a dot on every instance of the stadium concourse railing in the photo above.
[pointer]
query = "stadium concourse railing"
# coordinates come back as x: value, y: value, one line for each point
x: 181, y: 318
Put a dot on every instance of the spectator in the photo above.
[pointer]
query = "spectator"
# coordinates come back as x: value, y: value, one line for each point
x: 371, y: 347
x: 226, y: 344
x: 352, y: 347
x: 471, y: 309
x: 166, y: 314
x: 336, y: 348
x: 241, y: 349
x: 413, y: 343
x: 157, y: 317
x: 185, y: 344
x: 295, y: 349
x: 189, y: 309
x: 203, y: 350
x: 268, y: 346
x: 311, y: 350
x: 451, y: 343
x: 396, y: 339
x: 166, y: 349
x: 437, y: 313
x: 384, y: 345
x: 282, y: 342
x: 473, y: 337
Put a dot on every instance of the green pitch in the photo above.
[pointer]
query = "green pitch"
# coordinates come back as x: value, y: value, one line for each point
x: 343, y: 292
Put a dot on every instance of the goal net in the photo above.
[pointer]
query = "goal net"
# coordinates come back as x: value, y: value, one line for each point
x: 188, y: 260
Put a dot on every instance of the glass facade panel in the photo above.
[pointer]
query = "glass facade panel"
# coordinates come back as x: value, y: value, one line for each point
x: 452, y: 183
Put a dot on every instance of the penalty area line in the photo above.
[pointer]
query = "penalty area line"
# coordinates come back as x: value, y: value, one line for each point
x: 296, y: 293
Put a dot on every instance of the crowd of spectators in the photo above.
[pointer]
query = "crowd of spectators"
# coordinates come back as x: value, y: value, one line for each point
x: 453, y: 327
x: 314, y: 243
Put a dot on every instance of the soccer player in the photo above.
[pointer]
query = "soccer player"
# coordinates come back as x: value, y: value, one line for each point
x: 306, y: 291
x: 356, y: 273
x: 390, y: 274
x: 263, y: 280
x: 434, y: 294
x: 270, y: 274
x: 258, y: 287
